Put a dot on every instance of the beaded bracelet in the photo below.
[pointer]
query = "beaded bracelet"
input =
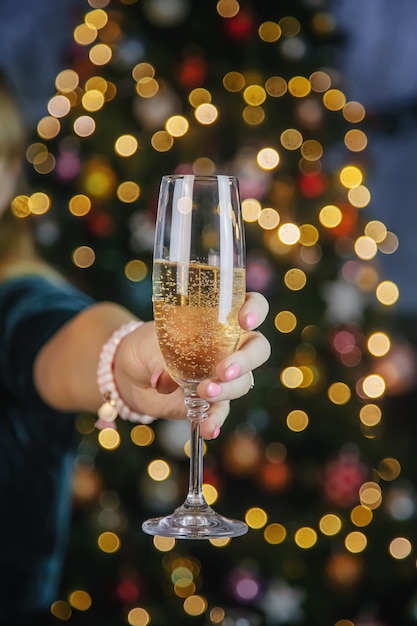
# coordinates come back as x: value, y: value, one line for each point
x: 114, y: 404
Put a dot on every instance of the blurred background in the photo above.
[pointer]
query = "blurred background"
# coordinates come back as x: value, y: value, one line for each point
x: 312, y: 104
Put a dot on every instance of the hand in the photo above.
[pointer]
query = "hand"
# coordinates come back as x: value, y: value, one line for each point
x: 146, y: 386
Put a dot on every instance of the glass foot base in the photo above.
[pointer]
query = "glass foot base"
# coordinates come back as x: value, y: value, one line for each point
x: 194, y: 523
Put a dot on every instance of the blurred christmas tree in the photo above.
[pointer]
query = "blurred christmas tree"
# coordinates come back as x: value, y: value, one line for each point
x: 308, y: 458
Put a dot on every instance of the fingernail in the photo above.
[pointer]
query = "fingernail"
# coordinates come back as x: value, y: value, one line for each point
x: 216, y: 432
x: 232, y: 371
x: 251, y: 320
x: 213, y: 390
x: 155, y: 377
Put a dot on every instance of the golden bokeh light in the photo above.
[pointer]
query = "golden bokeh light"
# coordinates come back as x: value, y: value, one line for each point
x: 288, y: 233
x: 256, y: 517
x: 311, y: 150
x: 354, y: 112
x: 330, y: 524
x: 254, y: 95
x: 389, y: 469
x: 195, y: 605
x: 285, y: 321
x: 359, y: 196
x: 305, y: 537
x: 376, y: 230
x: 159, y: 470
x: 289, y: 25
x: 96, y: 18
x: 387, y: 293
x: 126, y: 145
x: 361, y: 515
x: 390, y: 244
x: 100, y: 54
x: 136, y: 270
x: 365, y: 248
x: 177, y: 125
x: 295, y: 279
x: 373, y: 386
x: 356, y: 140
x: 220, y: 542
x: 268, y: 218
x: 164, y: 544
x: 143, y: 70
x: 48, y: 127
x: 138, y: 617
x: 370, y: 495
x: 84, y: 126
x: 334, y: 99
x: 59, y: 106
x: 228, y: 8
x: 217, y: 615
x: 39, y: 203
x: 206, y: 114
x: 378, y: 343
x: 147, y: 87
x: 330, y: 216
x: 109, y: 542
x: 233, y: 81
x: 253, y: 115
x: 67, y: 81
x: 61, y: 610
x: 275, y: 534
x: 251, y: 209
x: 84, y: 34
x: 309, y: 235
x: 109, y: 438
x: 142, y: 435
x: 80, y: 600
x: 210, y: 493
x: 267, y: 158
x: 370, y: 415
x: 351, y: 176
x: 291, y: 139
x: 199, y: 96
x: 291, y: 377
x: 356, y: 542
x: 20, y: 206
x: 320, y: 81
x: 297, y: 420
x: 400, y: 548
x: 162, y: 141
x: 83, y: 256
x: 299, y: 86
x: 269, y: 31
x: 128, y: 191
x: 92, y: 100
x: 276, y: 86
x: 339, y: 393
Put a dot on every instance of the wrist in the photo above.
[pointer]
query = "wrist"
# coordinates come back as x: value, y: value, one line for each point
x: 114, y: 404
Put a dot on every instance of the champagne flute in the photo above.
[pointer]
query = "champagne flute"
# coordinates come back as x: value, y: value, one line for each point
x: 199, y: 285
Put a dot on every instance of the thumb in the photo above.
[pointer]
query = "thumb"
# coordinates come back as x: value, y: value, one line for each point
x: 162, y: 381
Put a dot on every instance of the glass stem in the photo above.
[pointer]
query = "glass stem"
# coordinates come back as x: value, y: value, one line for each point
x: 196, y: 413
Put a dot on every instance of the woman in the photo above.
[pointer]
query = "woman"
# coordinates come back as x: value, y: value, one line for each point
x: 53, y: 342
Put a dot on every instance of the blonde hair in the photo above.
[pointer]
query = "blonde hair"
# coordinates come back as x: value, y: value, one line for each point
x: 15, y: 238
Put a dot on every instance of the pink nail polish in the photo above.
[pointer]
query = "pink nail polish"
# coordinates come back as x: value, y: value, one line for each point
x: 251, y: 320
x: 155, y: 377
x: 216, y: 432
x: 232, y: 371
x: 213, y: 390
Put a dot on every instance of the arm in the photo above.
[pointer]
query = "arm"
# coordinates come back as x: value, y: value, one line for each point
x: 65, y: 368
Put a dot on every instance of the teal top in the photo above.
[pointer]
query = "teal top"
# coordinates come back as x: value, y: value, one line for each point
x: 36, y: 448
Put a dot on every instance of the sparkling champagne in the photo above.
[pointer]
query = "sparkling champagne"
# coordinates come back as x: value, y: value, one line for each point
x: 196, y: 316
